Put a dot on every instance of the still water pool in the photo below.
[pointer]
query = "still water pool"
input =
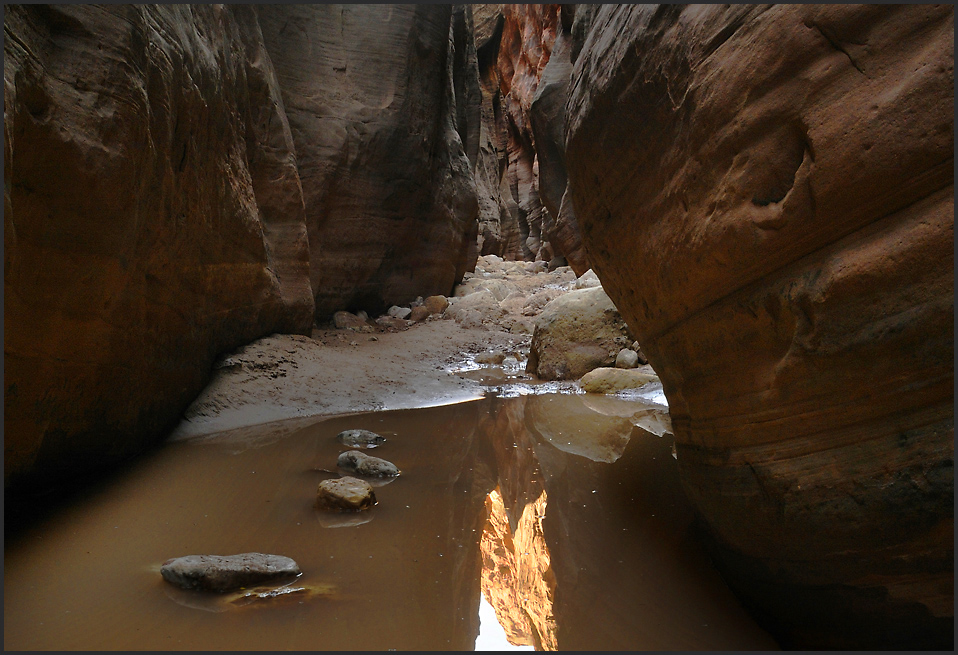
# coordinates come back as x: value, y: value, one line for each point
x: 549, y: 521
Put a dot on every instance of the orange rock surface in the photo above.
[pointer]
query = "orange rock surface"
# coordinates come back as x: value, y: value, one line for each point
x: 766, y: 193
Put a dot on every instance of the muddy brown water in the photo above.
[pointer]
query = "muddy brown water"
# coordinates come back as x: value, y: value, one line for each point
x: 555, y: 510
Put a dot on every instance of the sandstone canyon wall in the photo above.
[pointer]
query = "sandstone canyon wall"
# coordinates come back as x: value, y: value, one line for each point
x: 181, y: 180
x: 383, y: 103
x: 525, y: 66
x: 766, y: 193
x: 153, y: 218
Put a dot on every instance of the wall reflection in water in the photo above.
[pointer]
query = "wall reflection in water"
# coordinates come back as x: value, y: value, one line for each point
x: 563, y: 511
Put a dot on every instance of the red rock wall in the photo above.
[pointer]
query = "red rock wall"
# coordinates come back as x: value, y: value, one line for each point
x: 383, y: 102
x: 522, y: 170
x: 152, y: 218
x: 766, y: 193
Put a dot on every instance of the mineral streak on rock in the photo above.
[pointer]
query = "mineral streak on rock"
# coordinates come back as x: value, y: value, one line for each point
x: 153, y: 219
x: 767, y: 195
x: 225, y: 573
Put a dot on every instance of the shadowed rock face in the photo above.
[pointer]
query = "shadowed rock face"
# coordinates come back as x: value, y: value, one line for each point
x: 767, y: 196
x: 160, y: 208
x: 383, y: 102
x: 152, y: 218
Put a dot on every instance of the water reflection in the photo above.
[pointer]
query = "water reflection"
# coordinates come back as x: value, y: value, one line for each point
x: 563, y: 511
x: 517, y: 579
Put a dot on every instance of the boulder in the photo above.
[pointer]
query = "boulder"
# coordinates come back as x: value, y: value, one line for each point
x: 345, y: 494
x: 360, y: 439
x: 610, y: 380
x: 768, y: 192
x: 588, y: 280
x: 399, y: 312
x: 419, y: 314
x: 435, y: 304
x: 475, y: 309
x: 576, y: 333
x: 348, y: 321
x: 392, y: 322
x: 538, y: 301
x: 627, y: 358
x: 226, y: 573
x: 360, y: 463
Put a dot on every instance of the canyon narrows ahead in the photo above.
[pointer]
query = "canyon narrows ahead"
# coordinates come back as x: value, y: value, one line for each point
x: 765, y: 192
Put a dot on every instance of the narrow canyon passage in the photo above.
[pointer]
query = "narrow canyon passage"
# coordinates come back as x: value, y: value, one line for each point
x: 230, y: 230
x: 564, y: 515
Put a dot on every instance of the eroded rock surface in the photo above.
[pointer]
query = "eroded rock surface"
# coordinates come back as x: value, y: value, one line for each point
x: 767, y: 195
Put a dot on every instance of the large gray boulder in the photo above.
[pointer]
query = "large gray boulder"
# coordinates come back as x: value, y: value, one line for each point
x: 576, y: 333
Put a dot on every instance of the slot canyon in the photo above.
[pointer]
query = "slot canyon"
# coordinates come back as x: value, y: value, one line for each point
x: 654, y: 305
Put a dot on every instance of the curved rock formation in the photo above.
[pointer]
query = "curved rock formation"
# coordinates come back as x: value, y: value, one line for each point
x: 383, y: 102
x: 766, y: 193
x: 153, y: 218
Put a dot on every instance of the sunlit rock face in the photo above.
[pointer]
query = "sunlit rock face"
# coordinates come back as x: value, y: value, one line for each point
x: 766, y: 193
x: 383, y: 103
x: 517, y: 578
x: 153, y: 218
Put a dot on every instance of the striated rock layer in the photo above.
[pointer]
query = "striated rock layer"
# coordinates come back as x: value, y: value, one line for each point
x: 766, y: 193
x: 153, y: 218
x: 383, y: 103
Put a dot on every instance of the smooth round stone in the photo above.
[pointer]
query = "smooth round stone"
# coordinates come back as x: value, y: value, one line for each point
x: 345, y: 495
x: 627, y: 359
x: 363, y: 464
x: 360, y: 439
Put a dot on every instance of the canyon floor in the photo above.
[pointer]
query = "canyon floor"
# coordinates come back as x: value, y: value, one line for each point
x: 344, y: 371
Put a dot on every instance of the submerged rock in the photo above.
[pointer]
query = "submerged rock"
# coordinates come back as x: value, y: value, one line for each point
x: 610, y: 380
x: 259, y: 596
x: 227, y: 572
x: 360, y: 439
x: 345, y: 495
x: 363, y: 464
